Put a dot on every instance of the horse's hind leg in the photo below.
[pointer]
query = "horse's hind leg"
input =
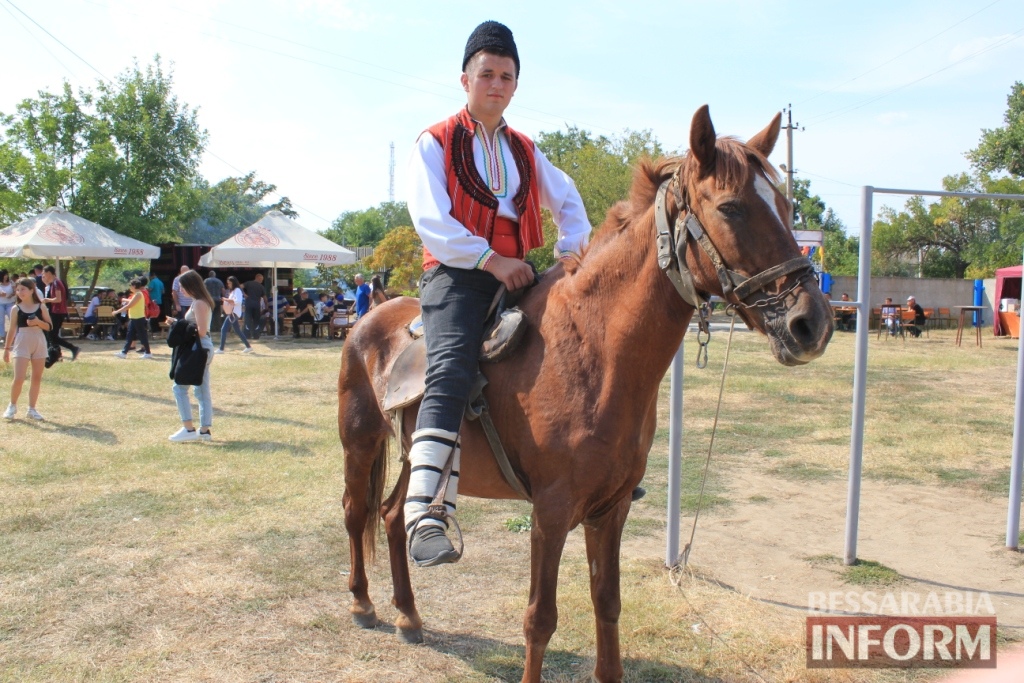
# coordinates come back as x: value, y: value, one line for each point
x: 409, y: 624
x: 604, y: 537
x: 357, y: 512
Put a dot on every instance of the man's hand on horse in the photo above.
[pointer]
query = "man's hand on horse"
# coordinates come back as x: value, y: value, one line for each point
x: 511, y: 272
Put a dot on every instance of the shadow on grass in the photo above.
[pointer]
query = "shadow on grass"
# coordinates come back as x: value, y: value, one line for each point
x: 168, y: 401
x: 86, y: 431
x: 505, y: 662
x: 294, y: 449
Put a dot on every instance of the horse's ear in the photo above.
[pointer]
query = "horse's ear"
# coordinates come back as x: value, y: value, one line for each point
x: 702, y: 139
x: 764, y: 142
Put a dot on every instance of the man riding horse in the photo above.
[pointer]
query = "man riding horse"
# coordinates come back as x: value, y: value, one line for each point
x: 475, y: 193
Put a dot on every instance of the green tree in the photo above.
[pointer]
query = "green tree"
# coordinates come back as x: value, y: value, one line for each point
x: 400, y: 252
x: 953, y: 237
x: 367, y: 227
x: 1002, y: 149
x: 139, y: 176
x: 601, y: 168
x: 841, y: 253
x: 125, y: 158
x: 44, y: 145
x: 232, y: 205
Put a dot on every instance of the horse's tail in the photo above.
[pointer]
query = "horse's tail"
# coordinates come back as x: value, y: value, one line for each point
x: 375, y: 498
x: 392, y: 447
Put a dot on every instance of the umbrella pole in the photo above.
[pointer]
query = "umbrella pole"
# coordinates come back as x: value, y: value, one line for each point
x: 274, y: 289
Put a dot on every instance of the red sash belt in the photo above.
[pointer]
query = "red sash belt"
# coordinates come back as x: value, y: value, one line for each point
x: 504, y: 240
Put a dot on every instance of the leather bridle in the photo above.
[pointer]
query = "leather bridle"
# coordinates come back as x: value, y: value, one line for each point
x: 736, y: 287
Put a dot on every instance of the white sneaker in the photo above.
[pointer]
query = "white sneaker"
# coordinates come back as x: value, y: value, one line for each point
x: 218, y: 350
x: 121, y: 354
x: 205, y: 436
x: 11, y: 411
x: 147, y: 356
x: 110, y: 337
x: 91, y: 336
x: 34, y: 414
x: 247, y: 349
x: 184, y: 435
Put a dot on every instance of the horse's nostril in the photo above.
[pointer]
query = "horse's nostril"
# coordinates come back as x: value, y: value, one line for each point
x: 801, y: 331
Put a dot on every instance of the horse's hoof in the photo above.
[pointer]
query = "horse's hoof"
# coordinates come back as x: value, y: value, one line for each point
x: 410, y: 636
x: 365, y: 619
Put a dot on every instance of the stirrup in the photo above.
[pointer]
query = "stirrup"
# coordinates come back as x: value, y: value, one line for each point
x: 443, y: 517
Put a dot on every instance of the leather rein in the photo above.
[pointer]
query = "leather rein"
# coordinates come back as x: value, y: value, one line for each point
x: 736, y: 287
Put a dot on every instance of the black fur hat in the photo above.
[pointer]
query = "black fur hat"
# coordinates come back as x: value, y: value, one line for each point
x: 493, y: 37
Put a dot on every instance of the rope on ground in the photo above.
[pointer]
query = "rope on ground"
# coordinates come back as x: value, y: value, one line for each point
x: 675, y: 577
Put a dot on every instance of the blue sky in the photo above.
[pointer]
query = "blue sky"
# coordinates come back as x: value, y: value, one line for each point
x: 310, y: 93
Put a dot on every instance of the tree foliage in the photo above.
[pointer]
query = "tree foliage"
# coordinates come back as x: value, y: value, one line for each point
x: 1002, y: 149
x: 232, y: 205
x: 953, y: 237
x: 368, y: 227
x: 602, y: 169
x: 400, y: 252
x: 124, y: 156
x: 840, y: 251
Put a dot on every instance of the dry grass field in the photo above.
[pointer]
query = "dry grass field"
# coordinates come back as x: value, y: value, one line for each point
x: 124, y: 557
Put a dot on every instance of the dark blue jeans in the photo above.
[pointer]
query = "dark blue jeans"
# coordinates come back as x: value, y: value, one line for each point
x: 136, y: 330
x: 231, y: 322
x: 455, y: 304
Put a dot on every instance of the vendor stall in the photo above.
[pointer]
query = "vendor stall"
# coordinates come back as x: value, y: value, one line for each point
x: 1006, y: 317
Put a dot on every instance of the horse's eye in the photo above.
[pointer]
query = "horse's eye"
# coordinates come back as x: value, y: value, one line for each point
x: 730, y: 210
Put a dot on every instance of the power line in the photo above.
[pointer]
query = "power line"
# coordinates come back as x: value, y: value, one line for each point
x: 41, y: 43
x: 108, y: 80
x: 518, y: 107
x: 58, y: 41
x: 835, y: 113
x: 905, y: 52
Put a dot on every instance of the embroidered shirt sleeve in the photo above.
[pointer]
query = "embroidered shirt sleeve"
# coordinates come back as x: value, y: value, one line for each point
x: 449, y: 241
x: 559, y: 195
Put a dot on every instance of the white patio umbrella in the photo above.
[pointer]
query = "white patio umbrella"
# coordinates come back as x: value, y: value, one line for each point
x: 276, y: 241
x: 56, y: 234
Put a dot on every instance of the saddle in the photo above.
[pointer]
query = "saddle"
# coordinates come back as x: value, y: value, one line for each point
x: 408, y: 376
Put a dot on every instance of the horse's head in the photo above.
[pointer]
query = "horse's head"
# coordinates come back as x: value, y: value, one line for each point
x: 740, y: 246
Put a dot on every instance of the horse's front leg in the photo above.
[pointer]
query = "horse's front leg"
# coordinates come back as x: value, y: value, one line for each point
x: 604, y: 536
x: 547, y: 539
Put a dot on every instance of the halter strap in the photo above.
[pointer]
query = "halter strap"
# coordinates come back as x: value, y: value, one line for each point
x: 671, y: 245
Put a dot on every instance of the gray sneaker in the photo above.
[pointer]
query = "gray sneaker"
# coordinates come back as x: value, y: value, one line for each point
x: 430, y: 547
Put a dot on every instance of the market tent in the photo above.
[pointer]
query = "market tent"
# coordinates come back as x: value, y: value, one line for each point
x: 57, y: 234
x: 276, y: 241
x: 1008, y: 286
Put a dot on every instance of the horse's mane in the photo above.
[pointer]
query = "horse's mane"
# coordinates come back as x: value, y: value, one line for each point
x: 733, y: 163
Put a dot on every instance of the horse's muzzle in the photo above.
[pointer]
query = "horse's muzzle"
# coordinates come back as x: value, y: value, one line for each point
x: 800, y: 332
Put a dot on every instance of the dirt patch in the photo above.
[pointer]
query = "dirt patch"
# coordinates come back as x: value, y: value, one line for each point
x: 781, y: 540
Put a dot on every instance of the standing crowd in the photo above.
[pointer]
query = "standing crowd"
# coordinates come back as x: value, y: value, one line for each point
x: 34, y: 307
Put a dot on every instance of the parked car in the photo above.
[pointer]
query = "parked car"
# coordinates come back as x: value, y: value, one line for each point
x: 77, y: 293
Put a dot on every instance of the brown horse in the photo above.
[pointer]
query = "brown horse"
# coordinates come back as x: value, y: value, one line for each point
x: 576, y: 405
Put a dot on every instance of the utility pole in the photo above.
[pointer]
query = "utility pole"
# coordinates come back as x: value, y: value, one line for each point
x: 391, y: 173
x: 788, y: 168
